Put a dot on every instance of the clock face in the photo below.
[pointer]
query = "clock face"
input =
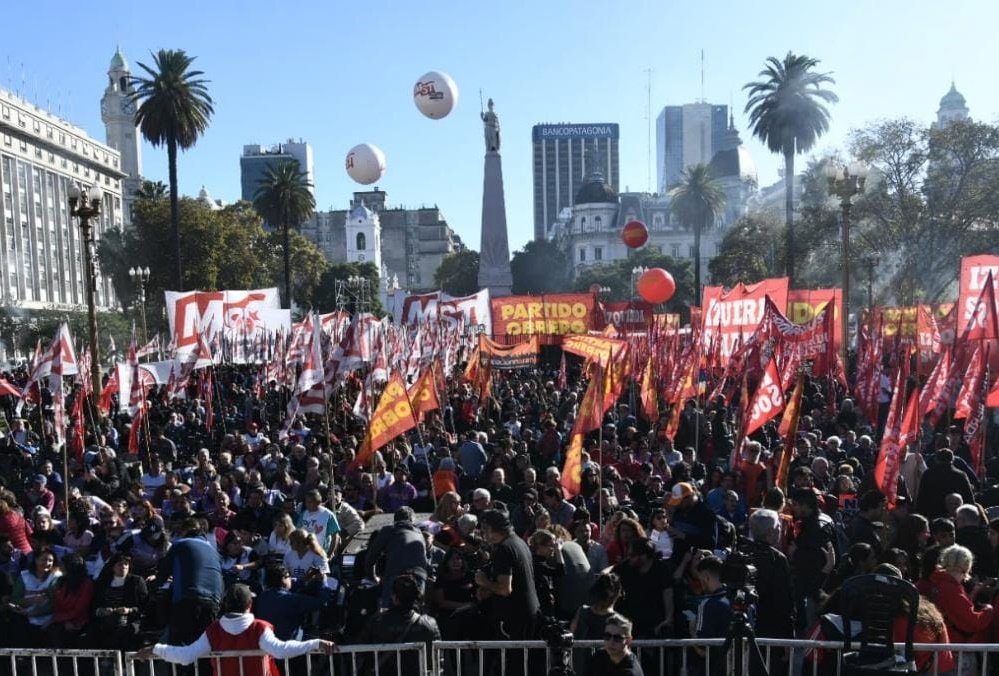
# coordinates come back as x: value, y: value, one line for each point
x: 104, y: 107
x: 127, y: 107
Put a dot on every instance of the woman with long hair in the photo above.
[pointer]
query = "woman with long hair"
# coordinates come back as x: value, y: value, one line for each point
x: 453, y: 591
x: 71, y: 598
x: 306, y: 555
x: 627, y: 531
x: 119, y: 599
x: 78, y: 535
x: 31, y: 599
x: 238, y: 561
x: 278, y: 543
x: 912, y: 537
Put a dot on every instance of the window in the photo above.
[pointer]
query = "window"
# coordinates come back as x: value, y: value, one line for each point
x: 675, y: 251
x: 691, y: 250
x: 582, y: 255
x: 598, y: 223
x: 658, y: 221
x: 362, y: 242
x: 598, y: 253
x: 582, y: 224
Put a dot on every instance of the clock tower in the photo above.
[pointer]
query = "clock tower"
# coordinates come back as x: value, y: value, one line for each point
x: 118, y: 114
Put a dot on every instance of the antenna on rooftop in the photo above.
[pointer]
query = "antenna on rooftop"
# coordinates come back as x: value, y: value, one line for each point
x: 702, y: 76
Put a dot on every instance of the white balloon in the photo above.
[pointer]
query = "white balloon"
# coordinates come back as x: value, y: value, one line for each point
x: 435, y: 94
x: 365, y: 163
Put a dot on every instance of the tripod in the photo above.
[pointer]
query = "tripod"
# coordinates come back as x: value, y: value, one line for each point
x: 747, y: 652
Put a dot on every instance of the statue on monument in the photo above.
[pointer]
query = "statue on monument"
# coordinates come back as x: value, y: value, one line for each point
x: 491, y: 128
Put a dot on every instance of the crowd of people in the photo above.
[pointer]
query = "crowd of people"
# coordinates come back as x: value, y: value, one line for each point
x: 127, y: 550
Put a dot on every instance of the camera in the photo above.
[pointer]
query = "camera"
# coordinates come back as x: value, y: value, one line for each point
x: 739, y: 576
x: 556, y: 634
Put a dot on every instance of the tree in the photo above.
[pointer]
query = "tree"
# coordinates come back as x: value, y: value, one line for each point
x: 617, y: 277
x: 751, y: 251
x: 284, y: 198
x: 173, y: 110
x: 152, y: 190
x: 114, y: 257
x: 540, y: 267
x: 324, y: 295
x: 458, y: 273
x: 787, y: 112
x: 932, y: 197
x: 697, y: 201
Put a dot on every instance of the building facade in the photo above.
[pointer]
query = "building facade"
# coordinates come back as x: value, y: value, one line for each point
x: 563, y: 156
x: 687, y: 135
x: 404, y: 244
x: 40, y: 156
x: 257, y: 159
x: 590, y: 233
x: 118, y: 115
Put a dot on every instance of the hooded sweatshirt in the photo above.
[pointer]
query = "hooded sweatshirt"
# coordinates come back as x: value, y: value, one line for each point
x: 238, y: 631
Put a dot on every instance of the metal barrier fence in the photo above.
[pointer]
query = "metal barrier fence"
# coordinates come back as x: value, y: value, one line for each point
x: 395, y: 659
x: 687, y: 657
x: 50, y: 662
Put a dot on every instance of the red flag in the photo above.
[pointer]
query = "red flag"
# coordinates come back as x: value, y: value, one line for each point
x: 967, y: 398
x: 789, y: 430
x: 589, y: 418
x: 974, y: 426
x: 648, y: 395
x: 393, y: 416
x: 423, y: 395
x: 992, y: 399
x: 889, y: 460
x: 983, y: 323
x: 6, y: 389
x: 78, y: 443
x: 767, y: 402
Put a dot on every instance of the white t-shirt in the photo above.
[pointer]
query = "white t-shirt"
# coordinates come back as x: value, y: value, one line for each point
x: 298, y: 566
x: 321, y: 523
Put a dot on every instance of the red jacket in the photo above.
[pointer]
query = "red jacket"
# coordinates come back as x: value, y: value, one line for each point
x: 222, y: 641
x: 964, y: 623
x: 16, y: 528
x: 73, y: 609
x: 923, y: 634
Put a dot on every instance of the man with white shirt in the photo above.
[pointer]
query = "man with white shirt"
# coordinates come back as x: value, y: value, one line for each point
x: 320, y: 522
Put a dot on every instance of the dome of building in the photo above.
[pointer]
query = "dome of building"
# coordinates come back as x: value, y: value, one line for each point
x: 595, y: 191
x: 361, y: 213
x: 953, y: 98
x: 734, y: 162
x: 118, y: 61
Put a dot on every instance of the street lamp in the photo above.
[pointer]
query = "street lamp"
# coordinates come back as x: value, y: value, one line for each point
x: 140, y: 277
x: 86, y: 210
x: 844, y: 183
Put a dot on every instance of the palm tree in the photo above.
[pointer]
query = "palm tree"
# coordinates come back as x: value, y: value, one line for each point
x: 697, y: 200
x: 284, y: 197
x: 173, y: 109
x: 151, y: 190
x: 787, y: 111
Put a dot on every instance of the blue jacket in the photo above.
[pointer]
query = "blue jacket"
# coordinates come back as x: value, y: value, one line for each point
x: 196, y: 568
x: 286, y: 610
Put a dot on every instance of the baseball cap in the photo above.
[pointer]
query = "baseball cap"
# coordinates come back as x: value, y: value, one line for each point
x: 680, y: 491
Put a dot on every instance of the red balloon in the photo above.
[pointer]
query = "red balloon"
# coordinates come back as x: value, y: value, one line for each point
x: 634, y: 234
x: 656, y: 286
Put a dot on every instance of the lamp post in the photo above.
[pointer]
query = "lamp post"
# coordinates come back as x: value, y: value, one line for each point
x: 86, y: 209
x: 140, y: 277
x: 844, y: 183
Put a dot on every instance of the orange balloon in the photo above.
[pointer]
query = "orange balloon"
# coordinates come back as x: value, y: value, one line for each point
x: 656, y: 286
x: 634, y: 234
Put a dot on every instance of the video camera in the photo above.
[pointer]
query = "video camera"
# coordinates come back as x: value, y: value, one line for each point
x: 738, y: 574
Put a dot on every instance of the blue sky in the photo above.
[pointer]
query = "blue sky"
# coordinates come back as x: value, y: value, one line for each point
x: 340, y: 73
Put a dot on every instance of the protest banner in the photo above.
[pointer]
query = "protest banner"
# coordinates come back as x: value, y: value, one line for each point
x: 804, y: 304
x: 219, y: 314
x: 975, y: 272
x: 627, y: 316
x: 471, y: 310
x: 505, y: 357
x: 730, y: 317
x: 551, y: 315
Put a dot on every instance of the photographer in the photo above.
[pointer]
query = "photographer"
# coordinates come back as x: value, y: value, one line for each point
x: 809, y: 554
x: 402, y: 623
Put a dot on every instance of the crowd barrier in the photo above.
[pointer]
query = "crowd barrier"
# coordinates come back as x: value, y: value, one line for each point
x: 687, y: 657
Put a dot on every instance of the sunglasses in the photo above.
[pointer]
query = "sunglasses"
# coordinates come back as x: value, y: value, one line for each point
x: 614, y: 638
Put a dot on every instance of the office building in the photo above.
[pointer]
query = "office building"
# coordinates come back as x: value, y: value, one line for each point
x: 687, y: 135
x: 256, y: 159
x: 564, y: 155
x: 407, y: 245
x: 40, y: 156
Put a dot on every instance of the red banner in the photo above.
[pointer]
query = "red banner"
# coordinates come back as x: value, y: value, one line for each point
x: 560, y: 314
x: 423, y: 394
x: 768, y: 400
x: 594, y: 348
x: 804, y: 304
x: 392, y: 417
x: 732, y: 317
x: 975, y: 271
x: 630, y: 315
x: 504, y: 357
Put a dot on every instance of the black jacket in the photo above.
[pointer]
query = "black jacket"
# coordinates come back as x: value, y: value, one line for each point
x: 814, y: 535
x: 775, y: 612
x: 396, y: 625
x: 939, y: 481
